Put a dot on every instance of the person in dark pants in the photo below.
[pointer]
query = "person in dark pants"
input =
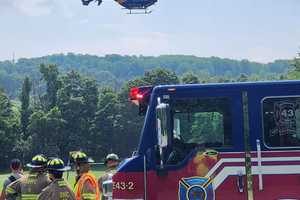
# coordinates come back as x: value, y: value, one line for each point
x: 16, y: 173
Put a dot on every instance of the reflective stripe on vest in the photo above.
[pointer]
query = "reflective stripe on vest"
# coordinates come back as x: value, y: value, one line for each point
x: 10, y: 190
x: 29, y: 196
x: 91, y: 196
x: 61, y: 183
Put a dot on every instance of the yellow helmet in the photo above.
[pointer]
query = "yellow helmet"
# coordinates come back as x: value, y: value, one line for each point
x: 56, y: 164
x: 80, y: 157
x: 38, y: 161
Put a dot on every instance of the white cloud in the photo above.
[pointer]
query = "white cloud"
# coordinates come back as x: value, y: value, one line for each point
x: 34, y: 7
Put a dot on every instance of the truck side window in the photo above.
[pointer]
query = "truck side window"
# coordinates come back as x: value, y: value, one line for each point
x: 203, y: 121
x: 281, y: 122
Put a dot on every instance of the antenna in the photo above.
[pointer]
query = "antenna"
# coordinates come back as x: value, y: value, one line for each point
x: 13, y: 58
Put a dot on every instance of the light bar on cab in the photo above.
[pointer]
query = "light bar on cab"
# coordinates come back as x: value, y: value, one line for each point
x: 140, y: 95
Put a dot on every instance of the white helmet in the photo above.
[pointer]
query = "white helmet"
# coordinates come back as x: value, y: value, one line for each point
x: 112, y: 156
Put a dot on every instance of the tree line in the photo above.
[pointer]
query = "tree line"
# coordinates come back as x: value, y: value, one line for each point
x: 67, y: 110
x: 115, y: 70
x: 71, y: 112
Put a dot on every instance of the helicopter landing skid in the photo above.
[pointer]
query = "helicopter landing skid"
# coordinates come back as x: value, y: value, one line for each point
x: 139, y: 11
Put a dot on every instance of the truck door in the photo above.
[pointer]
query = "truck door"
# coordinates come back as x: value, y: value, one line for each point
x: 205, y: 157
x: 274, y: 118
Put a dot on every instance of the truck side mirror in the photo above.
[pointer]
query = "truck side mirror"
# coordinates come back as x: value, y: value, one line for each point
x: 162, y: 124
x: 162, y: 127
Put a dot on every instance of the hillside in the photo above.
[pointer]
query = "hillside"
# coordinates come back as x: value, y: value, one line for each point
x: 114, y: 70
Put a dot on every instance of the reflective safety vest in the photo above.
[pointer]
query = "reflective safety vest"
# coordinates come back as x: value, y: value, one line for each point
x: 87, y: 188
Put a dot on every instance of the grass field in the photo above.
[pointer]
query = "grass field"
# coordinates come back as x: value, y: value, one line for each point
x: 71, y: 180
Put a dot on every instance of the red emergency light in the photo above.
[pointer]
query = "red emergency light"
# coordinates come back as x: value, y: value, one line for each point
x: 140, y: 93
x: 135, y: 94
x: 140, y: 96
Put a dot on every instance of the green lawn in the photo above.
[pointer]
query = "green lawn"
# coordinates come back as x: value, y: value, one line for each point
x: 97, y: 173
x: 2, y: 178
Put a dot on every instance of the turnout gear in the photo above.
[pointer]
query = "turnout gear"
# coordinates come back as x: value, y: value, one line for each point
x: 58, y: 189
x: 28, y: 187
x: 16, y: 173
x: 86, y: 184
x: 12, y: 178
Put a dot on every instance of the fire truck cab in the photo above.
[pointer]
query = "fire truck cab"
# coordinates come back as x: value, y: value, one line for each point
x: 231, y: 141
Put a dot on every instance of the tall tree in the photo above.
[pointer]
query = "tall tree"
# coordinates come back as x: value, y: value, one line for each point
x: 50, y: 75
x: 77, y: 101
x: 9, y: 129
x: 294, y: 73
x: 160, y: 76
x: 189, y: 78
x: 107, y: 128
x: 48, y: 133
x: 297, y: 63
x: 25, y: 103
x: 5, y: 106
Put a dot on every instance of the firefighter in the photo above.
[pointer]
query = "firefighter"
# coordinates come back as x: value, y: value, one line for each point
x: 16, y: 173
x: 112, y: 161
x: 28, y: 187
x: 58, y: 189
x: 86, y: 184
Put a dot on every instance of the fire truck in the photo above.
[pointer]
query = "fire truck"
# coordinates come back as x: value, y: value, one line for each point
x: 229, y: 141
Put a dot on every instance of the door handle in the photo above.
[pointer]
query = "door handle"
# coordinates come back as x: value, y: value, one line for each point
x: 240, y: 182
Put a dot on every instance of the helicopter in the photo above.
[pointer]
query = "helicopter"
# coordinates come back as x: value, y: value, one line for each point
x: 131, y: 5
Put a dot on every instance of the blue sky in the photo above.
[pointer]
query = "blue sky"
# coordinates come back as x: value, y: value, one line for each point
x: 258, y: 30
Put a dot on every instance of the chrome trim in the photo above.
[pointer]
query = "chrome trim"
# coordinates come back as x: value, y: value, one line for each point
x: 259, y: 165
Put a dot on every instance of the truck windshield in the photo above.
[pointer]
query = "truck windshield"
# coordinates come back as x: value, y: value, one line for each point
x: 204, y: 121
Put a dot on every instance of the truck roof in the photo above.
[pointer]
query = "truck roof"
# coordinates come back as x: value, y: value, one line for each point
x: 231, y: 85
